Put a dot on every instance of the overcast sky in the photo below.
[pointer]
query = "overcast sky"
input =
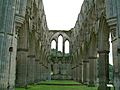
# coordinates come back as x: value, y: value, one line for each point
x: 62, y: 15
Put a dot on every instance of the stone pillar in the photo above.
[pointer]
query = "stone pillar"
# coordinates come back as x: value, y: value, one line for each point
x: 78, y: 76
x: 37, y: 71
x: 31, y: 69
x: 115, y: 49
x: 8, y: 44
x: 81, y: 72
x: 92, y: 71
x: 73, y: 74
x: 41, y: 72
x: 113, y: 19
x: 49, y: 71
x: 103, y: 70
x: 85, y: 71
x: 22, y: 21
x: 92, y: 59
x: 45, y: 73
x: 55, y: 70
x: 22, y: 53
x: 80, y: 66
x: 31, y: 58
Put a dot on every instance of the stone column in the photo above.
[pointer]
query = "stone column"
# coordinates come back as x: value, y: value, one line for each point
x: 77, y: 72
x: 92, y: 71
x: 80, y: 66
x: 31, y: 69
x: 37, y: 71
x: 41, y: 72
x: 55, y: 70
x: 22, y: 53
x: 92, y: 59
x: 31, y: 58
x: 49, y: 70
x: 103, y: 70
x: 8, y: 44
x: 73, y: 74
x: 81, y: 72
x: 85, y: 71
x: 113, y: 19
x: 22, y: 48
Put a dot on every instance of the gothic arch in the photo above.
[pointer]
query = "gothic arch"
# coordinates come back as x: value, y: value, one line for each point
x: 103, y: 50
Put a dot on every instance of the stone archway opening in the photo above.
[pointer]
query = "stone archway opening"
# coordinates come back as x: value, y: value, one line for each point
x: 104, y: 50
x: 67, y: 47
x: 53, y: 44
x: 60, y: 44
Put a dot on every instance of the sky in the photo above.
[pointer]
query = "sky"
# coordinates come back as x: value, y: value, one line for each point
x: 110, y: 54
x: 62, y: 15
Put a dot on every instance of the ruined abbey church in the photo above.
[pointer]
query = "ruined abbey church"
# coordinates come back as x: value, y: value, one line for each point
x: 26, y: 56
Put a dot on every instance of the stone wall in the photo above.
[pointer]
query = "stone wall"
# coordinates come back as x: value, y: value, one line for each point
x: 90, y: 42
x: 32, y: 55
x: 23, y: 31
x: 61, y: 65
x: 7, y: 44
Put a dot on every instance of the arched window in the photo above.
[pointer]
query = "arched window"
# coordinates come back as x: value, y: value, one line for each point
x: 67, y: 45
x: 60, y: 43
x: 53, y: 44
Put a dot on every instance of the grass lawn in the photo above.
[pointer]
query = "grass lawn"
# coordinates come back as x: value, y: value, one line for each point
x: 53, y: 87
x: 60, y: 82
x: 45, y: 87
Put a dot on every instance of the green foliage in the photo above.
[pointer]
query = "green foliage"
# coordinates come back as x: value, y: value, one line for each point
x: 55, y: 53
x: 46, y: 87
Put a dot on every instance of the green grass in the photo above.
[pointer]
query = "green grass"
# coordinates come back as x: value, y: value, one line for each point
x: 45, y: 87
x: 53, y: 87
x: 60, y: 82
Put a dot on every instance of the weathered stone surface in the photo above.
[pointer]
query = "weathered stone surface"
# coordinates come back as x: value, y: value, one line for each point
x: 7, y: 45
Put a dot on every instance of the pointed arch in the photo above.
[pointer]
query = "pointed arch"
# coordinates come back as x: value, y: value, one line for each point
x: 53, y: 44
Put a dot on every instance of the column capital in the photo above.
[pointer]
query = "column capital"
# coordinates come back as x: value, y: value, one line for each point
x: 19, y: 20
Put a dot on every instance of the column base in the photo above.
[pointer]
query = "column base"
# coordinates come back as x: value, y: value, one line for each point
x: 117, y: 82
